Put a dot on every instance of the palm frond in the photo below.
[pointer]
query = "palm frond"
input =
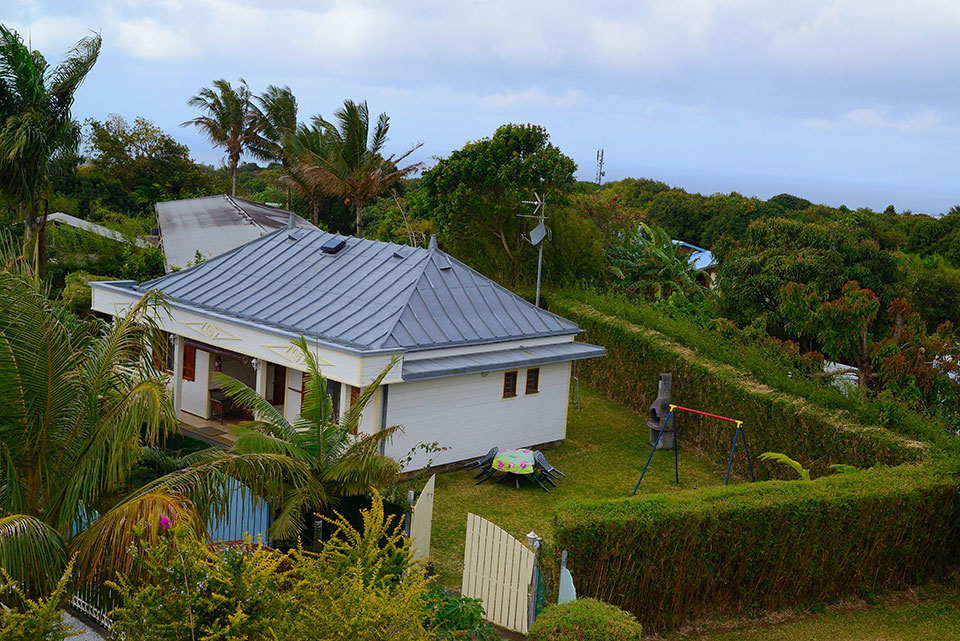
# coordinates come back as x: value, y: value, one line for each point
x: 783, y: 459
x: 104, y: 548
x: 31, y: 553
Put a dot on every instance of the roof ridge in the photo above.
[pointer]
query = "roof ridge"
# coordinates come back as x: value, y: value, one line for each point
x: 243, y: 212
x: 409, y: 294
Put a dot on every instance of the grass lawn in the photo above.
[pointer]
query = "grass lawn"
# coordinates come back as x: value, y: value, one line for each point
x: 937, y: 619
x: 602, y: 456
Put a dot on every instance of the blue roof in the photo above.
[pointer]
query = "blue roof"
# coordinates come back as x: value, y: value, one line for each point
x: 699, y: 257
x: 369, y: 296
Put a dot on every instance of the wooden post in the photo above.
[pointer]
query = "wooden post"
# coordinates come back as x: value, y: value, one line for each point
x: 178, y: 376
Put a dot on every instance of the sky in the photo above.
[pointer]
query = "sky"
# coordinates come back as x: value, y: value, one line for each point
x: 849, y: 102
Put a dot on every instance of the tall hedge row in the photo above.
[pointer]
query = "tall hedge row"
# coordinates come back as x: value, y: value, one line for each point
x: 773, y: 421
x: 737, y: 550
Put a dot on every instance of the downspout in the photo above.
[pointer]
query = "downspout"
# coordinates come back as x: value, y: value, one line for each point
x: 383, y: 415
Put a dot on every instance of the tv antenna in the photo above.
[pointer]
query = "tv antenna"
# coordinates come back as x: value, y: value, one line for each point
x: 538, y: 233
x: 600, y: 172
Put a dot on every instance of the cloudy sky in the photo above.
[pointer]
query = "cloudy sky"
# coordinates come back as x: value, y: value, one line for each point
x: 852, y: 102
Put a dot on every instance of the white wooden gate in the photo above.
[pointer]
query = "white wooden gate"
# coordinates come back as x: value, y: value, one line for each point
x: 421, y: 521
x: 497, y: 569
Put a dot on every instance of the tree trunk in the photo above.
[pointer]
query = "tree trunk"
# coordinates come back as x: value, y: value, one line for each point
x: 359, y: 205
x: 233, y: 177
x: 316, y: 213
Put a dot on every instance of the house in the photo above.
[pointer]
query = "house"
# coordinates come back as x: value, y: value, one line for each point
x: 208, y: 226
x: 700, y: 259
x: 480, y: 366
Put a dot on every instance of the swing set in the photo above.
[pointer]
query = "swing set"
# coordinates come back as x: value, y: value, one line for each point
x: 738, y: 434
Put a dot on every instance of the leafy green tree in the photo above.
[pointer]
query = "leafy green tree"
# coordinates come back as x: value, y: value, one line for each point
x: 231, y: 121
x: 342, y: 462
x: 680, y: 213
x: 80, y: 400
x: 38, y: 135
x: 351, y: 165
x: 475, y: 195
x: 773, y: 252
x: 145, y: 160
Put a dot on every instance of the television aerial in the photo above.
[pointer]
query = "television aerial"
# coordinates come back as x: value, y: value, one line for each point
x: 538, y: 234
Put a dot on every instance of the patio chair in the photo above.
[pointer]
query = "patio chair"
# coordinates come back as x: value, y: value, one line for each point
x: 544, y: 465
x: 482, y: 462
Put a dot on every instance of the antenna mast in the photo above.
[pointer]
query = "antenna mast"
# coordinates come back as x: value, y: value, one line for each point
x: 538, y: 233
x: 600, y: 172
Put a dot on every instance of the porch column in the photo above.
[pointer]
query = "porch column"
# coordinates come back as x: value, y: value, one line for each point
x: 178, y: 376
x: 261, y: 387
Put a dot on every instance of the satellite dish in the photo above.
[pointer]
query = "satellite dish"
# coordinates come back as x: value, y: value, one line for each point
x: 538, y: 234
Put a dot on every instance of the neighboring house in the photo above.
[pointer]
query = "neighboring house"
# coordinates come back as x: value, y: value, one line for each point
x: 211, y: 225
x: 481, y: 367
x: 700, y: 258
x: 59, y: 218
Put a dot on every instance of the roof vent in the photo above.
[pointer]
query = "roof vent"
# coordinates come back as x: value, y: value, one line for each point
x: 433, y: 242
x: 400, y: 253
x: 333, y: 245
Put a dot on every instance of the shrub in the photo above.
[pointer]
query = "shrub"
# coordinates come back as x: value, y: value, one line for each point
x: 745, y: 548
x: 77, y: 295
x: 40, y: 620
x: 360, y: 586
x: 456, y: 618
x: 585, y: 620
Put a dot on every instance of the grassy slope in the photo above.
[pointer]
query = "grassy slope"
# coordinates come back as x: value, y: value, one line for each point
x: 935, y: 619
x: 603, y: 455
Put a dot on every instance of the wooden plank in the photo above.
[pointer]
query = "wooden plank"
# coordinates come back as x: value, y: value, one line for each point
x: 468, y: 554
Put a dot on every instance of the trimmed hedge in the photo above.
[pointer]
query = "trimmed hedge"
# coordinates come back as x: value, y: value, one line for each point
x: 741, y: 549
x: 773, y: 421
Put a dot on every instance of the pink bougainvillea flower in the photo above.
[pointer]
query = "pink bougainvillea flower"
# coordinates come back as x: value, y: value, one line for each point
x: 165, y: 523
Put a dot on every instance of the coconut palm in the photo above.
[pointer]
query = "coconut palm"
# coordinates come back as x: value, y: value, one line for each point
x: 277, y: 112
x: 341, y: 463
x: 38, y: 135
x: 230, y: 120
x: 353, y: 167
x: 650, y: 263
x: 307, y: 146
x: 78, y: 401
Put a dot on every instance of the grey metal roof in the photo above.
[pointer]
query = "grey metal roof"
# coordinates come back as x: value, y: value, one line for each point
x: 370, y: 296
x: 213, y: 225
x: 500, y: 359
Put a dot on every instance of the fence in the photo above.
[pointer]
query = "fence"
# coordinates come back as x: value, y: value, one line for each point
x: 497, y: 569
x: 246, y: 515
x: 421, y: 521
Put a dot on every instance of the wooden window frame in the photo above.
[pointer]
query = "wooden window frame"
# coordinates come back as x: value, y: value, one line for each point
x: 506, y: 377
x: 536, y: 384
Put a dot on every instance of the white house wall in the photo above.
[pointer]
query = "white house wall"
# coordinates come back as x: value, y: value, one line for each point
x: 196, y: 396
x: 469, y: 415
x: 341, y: 366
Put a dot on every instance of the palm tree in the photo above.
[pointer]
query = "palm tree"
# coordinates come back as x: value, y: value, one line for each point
x: 38, y: 135
x: 341, y: 463
x: 230, y: 120
x: 277, y: 112
x: 353, y: 167
x: 307, y: 146
x: 78, y: 401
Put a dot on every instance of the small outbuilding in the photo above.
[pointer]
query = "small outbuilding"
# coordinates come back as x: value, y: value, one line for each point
x: 480, y: 366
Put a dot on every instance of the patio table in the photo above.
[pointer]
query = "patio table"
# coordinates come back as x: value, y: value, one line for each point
x: 514, y: 461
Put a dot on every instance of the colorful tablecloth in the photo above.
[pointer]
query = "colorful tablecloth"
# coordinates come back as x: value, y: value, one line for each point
x: 515, y: 461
